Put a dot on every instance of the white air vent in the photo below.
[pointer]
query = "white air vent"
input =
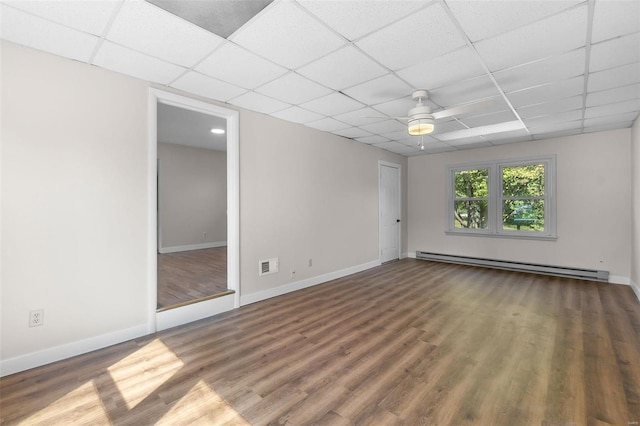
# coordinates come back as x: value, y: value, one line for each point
x: 269, y: 266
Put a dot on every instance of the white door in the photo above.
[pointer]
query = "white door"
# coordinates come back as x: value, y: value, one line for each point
x: 389, y: 189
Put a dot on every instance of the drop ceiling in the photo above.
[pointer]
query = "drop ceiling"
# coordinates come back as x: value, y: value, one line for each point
x: 552, y: 68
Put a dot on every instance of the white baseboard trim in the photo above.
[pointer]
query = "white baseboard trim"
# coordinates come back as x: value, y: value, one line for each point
x: 411, y: 254
x: 308, y: 282
x: 68, y: 350
x: 615, y: 279
x: 175, y: 249
x: 194, y: 312
x: 404, y: 255
x: 636, y: 289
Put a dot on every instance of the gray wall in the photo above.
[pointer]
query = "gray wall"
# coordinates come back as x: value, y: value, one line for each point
x: 193, y: 196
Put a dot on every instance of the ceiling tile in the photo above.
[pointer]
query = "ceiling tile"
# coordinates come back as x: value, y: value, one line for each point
x: 614, y: 18
x: 618, y: 119
x: 130, y: 62
x: 557, y: 133
x: 396, y: 108
x: 328, y: 124
x: 609, y: 126
x: 88, y: 16
x: 386, y: 126
x: 425, y: 34
x: 556, y: 68
x: 414, y: 141
x: 547, y: 92
x: 257, y: 102
x: 437, y: 147
x: 342, y: 68
x: 221, y: 17
x: 497, y: 104
x: 617, y: 94
x: 611, y: 109
x: 360, y: 117
x: 238, y: 66
x: 285, y: 33
x: 390, y: 146
x: 208, y: 87
x: 333, y: 104
x: 554, y: 126
x: 484, y: 19
x: 437, y: 72
x: 380, y: 90
x: 550, y: 36
x: 614, y: 53
x: 494, y: 118
x: 294, y: 89
x: 355, y: 18
x: 353, y: 132
x: 370, y: 140
x: 448, y: 126
x: 554, y: 107
x: 398, y: 135
x: 509, y: 137
x: 45, y: 35
x: 472, y: 142
x: 614, y: 77
x: 553, y: 118
x: 297, y: 115
x: 470, y: 90
x: 156, y: 32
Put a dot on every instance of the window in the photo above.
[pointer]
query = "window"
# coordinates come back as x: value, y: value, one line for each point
x: 503, y: 198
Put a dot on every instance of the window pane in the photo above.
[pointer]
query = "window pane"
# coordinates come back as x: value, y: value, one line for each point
x: 525, y: 215
x: 523, y: 181
x: 472, y: 183
x: 470, y: 214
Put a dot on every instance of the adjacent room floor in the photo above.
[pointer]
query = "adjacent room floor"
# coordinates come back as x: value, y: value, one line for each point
x: 410, y: 342
x: 191, y: 275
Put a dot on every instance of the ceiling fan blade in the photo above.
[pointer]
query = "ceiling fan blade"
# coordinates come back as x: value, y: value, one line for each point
x: 462, y: 109
x: 481, y: 131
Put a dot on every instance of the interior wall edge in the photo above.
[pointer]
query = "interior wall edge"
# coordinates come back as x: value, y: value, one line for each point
x: 636, y: 289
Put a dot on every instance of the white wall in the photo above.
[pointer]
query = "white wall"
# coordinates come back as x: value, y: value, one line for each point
x: 74, y: 205
x: 193, y: 196
x: 306, y: 194
x: 593, y: 204
x: 74, y: 197
x: 635, y: 212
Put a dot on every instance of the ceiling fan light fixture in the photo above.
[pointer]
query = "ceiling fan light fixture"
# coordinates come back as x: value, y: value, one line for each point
x: 421, y: 126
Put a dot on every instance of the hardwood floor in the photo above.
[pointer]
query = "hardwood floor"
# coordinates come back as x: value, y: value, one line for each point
x: 191, y: 275
x: 410, y: 342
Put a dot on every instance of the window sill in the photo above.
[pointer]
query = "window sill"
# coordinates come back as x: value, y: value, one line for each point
x: 496, y: 235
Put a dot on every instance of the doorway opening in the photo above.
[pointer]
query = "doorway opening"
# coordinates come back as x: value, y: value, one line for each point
x: 194, y: 267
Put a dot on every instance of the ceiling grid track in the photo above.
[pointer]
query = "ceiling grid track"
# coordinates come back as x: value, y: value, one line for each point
x: 470, y: 44
x: 587, y: 58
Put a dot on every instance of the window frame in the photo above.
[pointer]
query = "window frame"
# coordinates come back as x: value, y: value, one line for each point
x: 496, y: 199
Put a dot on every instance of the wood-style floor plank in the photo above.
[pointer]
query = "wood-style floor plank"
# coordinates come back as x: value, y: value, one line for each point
x: 410, y: 342
x: 190, y: 275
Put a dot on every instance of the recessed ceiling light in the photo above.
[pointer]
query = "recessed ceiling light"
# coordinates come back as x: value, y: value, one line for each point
x: 217, y: 131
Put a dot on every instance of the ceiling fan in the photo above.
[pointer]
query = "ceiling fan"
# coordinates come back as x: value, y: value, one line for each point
x: 421, y: 119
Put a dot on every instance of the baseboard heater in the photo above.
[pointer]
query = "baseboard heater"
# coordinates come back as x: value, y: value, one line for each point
x: 560, y: 271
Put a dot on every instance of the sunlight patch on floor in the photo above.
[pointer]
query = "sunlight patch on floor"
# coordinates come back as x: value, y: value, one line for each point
x: 202, y: 405
x: 88, y: 409
x: 138, y: 375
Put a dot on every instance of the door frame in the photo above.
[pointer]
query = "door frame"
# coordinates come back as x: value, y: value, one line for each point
x: 162, y: 320
x: 381, y: 164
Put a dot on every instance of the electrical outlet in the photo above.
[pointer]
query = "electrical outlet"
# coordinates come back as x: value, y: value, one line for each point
x: 36, y: 318
x: 293, y: 273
